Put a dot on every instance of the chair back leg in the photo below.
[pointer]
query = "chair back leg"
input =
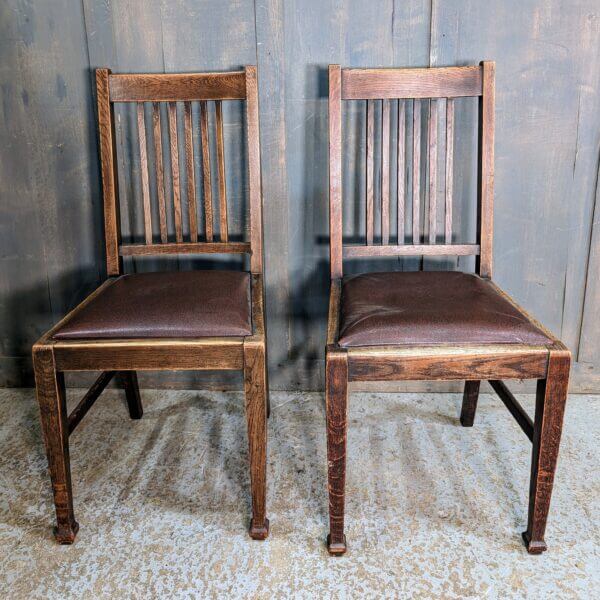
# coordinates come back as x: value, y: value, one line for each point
x: 547, y: 428
x: 129, y: 382
x: 469, y: 404
x: 255, y: 385
x: 50, y: 388
x: 336, y: 397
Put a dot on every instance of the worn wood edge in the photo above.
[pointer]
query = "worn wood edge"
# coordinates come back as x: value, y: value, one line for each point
x: 173, y: 87
x: 186, y: 248
x: 334, y: 311
x: 358, y: 250
x: 258, y: 309
x: 446, y: 350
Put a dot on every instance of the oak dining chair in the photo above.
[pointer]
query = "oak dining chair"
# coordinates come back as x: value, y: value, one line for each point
x: 184, y: 320
x: 428, y: 325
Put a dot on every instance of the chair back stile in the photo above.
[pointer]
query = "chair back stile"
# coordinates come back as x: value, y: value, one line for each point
x: 172, y: 90
x: 433, y: 90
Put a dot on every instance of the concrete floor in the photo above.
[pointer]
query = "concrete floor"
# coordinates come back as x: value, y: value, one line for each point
x: 433, y: 510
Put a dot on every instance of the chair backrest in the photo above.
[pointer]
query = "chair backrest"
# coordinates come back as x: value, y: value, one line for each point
x: 184, y: 89
x: 441, y: 86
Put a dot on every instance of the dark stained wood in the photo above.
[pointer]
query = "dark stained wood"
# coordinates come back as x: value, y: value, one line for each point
x: 172, y: 87
x: 189, y: 169
x: 185, y: 248
x: 110, y: 191
x: 129, y: 382
x: 356, y: 250
x: 160, y: 176
x: 370, y: 216
x: 336, y: 398
x: 255, y: 382
x: 432, y: 144
x: 469, y: 404
x: 547, y: 429
x: 385, y: 172
x: 206, y: 177
x: 416, y: 183
x: 50, y: 388
x: 395, y: 364
x: 401, y: 174
x: 486, y: 168
x: 52, y: 357
x: 174, y: 146
x: 449, y: 168
x: 255, y: 181
x: 89, y: 399
x: 363, y: 84
x: 515, y: 409
x: 141, y: 121
x: 224, y: 233
x: 335, y: 171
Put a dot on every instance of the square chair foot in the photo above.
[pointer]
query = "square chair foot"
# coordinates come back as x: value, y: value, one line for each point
x: 534, y: 547
x: 260, y: 533
x: 66, y: 534
x: 336, y: 549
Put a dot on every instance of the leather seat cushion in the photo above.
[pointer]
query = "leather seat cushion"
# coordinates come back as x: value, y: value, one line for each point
x: 186, y: 304
x: 429, y: 307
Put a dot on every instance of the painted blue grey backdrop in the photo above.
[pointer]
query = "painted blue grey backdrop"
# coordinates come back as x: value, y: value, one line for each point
x: 547, y: 244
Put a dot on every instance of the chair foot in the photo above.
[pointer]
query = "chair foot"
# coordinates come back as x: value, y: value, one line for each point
x: 336, y: 549
x: 259, y: 532
x: 534, y: 547
x: 65, y: 534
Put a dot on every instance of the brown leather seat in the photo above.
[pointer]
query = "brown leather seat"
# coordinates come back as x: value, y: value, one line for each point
x: 186, y: 304
x: 429, y: 307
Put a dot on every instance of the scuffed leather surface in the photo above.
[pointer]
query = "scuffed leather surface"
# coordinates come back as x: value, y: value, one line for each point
x: 429, y: 307
x: 167, y: 305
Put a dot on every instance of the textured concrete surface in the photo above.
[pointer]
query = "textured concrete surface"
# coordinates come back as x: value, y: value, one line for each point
x: 434, y: 510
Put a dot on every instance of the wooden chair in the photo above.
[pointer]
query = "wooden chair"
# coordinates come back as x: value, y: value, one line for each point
x: 195, y: 320
x: 430, y: 325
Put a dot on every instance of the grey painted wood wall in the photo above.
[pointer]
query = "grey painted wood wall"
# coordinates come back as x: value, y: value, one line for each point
x: 547, y: 244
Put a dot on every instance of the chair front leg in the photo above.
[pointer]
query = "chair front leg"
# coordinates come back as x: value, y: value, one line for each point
x: 336, y: 397
x: 129, y: 382
x: 469, y: 405
x: 255, y: 384
x: 549, y: 411
x: 50, y: 388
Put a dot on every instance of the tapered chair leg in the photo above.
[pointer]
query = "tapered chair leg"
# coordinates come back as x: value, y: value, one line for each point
x: 50, y: 389
x: 129, y: 382
x: 255, y: 384
x: 336, y: 397
x: 469, y: 404
x: 549, y: 411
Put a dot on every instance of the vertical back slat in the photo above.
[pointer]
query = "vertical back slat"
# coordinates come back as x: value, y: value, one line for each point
x: 208, y: 215
x: 449, y: 167
x: 401, y: 176
x: 416, y: 191
x: 335, y: 170
x: 433, y: 141
x: 109, y: 173
x: 486, y: 168
x: 175, y: 171
x: 189, y: 165
x: 141, y: 122
x: 256, y: 258
x: 221, y: 172
x: 160, y: 175
x: 370, y: 167
x: 385, y: 172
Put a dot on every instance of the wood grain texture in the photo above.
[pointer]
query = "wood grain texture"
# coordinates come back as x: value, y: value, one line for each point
x: 370, y: 174
x: 206, y: 172
x: 547, y: 429
x: 385, y: 172
x: 365, y: 84
x: 416, y: 174
x: 174, y: 147
x: 160, y: 175
x: 223, y: 229
x: 401, y: 171
x: 355, y: 251
x: 141, y: 123
x: 336, y: 399
x: 335, y: 171
x: 167, y: 87
x: 432, y: 150
x: 449, y: 169
x: 189, y: 168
